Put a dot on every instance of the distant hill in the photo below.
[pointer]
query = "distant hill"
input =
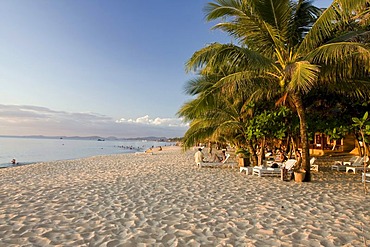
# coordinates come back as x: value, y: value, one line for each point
x: 112, y: 138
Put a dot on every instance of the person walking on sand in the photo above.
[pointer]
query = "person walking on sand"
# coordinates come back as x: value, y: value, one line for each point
x: 198, y: 156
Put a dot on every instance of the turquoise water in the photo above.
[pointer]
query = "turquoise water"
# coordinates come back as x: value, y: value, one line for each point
x: 32, y: 150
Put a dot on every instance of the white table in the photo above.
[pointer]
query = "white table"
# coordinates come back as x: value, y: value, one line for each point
x: 247, y: 169
x: 354, y: 169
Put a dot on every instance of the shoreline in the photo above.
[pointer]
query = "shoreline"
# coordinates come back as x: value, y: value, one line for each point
x: 36, y: 150
x: 164, y: 200
x: 132, y: 151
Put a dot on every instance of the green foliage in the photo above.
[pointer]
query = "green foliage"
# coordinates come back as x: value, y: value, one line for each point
x: 286, y: 52
x: 363, y: 126
x: 361, y: 122
x: 242, y: 152
x: 270, y: 124
x: 337, y: 132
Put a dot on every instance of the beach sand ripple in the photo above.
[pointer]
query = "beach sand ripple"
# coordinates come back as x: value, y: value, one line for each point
x: 164, y: 200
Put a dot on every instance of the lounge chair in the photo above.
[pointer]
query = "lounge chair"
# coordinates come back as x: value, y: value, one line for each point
x: 143, y: 152
x: 312, y: 165
x: 356, y: 166
x: 269, y: 163
x: 366, y: 175
x: 341, y: 165
x: 273, y: 172
x: 247, y: 169
x: 218, y: 164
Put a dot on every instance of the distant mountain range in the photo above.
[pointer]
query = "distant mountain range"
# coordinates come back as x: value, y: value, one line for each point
x: 98, y: 138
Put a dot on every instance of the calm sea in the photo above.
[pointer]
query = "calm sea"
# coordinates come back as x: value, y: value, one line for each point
x: 32, y: 150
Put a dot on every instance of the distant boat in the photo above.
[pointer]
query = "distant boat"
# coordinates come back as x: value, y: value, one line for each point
x: 100, y: 140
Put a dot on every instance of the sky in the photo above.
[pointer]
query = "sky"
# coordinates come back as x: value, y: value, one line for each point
x: 99, y: 67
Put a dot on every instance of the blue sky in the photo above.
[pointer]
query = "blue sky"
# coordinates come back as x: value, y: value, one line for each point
x: 95, y: 67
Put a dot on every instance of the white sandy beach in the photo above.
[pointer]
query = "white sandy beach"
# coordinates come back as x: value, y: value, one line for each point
x: 163, y: 200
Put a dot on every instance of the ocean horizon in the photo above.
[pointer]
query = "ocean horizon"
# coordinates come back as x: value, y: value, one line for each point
x: 29, y: 150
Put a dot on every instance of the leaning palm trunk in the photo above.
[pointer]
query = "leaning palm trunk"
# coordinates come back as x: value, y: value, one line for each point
x: 297, y: 101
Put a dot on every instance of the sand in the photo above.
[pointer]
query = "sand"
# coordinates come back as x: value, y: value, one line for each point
x: 164, y: 200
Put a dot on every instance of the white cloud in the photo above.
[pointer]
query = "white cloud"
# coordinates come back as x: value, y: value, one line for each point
x: 169, y: 122
x: 34, y: 120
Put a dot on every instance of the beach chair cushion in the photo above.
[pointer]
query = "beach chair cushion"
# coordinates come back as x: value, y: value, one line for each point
x: 289, y: 164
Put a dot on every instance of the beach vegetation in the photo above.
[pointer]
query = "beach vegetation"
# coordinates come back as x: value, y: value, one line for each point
x: 283, y: 51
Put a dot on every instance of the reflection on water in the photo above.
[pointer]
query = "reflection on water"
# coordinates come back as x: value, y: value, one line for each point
x: 31, y: 150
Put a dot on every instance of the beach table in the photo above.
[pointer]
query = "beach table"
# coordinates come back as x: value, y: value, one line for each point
x: 354, y: 169
x: 247, y: 169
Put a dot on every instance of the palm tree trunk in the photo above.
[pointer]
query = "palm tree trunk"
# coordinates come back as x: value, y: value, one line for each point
x: 297, y: 101
x: 252, y: 151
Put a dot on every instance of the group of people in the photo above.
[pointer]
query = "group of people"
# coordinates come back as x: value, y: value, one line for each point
x: 214, y: 157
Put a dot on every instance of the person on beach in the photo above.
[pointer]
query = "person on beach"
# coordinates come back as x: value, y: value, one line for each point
x: 282, y: 157
x: 198, y: 156
x: 14, y: 161
x: 210, y: 149
x: 223, y: 156
x: 216, y: 158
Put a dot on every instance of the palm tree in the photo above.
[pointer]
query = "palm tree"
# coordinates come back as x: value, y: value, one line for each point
x: 286, y: 49
x: 214, y: 115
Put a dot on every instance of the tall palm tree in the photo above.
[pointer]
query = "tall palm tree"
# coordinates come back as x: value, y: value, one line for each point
x: 213, y: 114
x: 286, y: 49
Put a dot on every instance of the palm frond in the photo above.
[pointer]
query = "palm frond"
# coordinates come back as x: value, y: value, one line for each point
x: 223, y: 8
x: 303, y: 76
x: 197, y: 131
x: 349, y: 55
x: 304, y: 16
x: 340, y: 13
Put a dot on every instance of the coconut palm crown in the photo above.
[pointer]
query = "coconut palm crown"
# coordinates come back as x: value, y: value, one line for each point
x: 285, y: 49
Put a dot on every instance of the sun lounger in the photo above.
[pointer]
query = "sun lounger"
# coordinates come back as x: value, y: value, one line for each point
x: 247, y: 169
x: 269, y: 163
x: 266, y: 171
x: 341, y: 165
x: 358, y: 165
x: 144, y: 152
x: 273, y: 172
x: 218, y: 164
